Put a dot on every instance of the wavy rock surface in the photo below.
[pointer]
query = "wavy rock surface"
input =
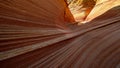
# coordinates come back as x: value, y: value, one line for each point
x: 40, y: 34
x: 87, y: 10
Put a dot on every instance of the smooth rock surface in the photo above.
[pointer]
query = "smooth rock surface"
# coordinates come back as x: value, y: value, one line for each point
x: 41, y: 34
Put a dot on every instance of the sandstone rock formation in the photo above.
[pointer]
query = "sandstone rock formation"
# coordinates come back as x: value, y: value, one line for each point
x: 87, y: 10
x: 42, y: 34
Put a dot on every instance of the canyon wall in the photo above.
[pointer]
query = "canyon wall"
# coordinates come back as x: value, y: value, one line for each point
x: 41, y: 34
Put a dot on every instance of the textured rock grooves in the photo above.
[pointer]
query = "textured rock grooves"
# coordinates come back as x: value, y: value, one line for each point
x: 36, y: 34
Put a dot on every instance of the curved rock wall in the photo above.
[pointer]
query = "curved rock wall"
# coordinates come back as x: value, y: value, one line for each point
x: 39, y: 34
x: 27, y: 22
x: 87, y: 10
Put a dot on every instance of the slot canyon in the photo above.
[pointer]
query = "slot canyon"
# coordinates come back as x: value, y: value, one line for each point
x: 59, y: 33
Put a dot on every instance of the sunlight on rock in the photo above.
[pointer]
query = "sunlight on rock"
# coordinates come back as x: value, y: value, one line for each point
x: 87, y: 10
x: 44, y: 34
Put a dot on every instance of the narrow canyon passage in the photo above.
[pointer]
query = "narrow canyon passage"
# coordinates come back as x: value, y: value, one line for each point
x: 59, y: 34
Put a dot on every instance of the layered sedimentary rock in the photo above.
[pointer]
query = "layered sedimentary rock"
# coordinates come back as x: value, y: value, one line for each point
x: 87, y: 10
x: 41, y: 34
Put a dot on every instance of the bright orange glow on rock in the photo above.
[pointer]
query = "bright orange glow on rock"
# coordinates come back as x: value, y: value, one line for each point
x: 44, y: 34
x: 86, y: 10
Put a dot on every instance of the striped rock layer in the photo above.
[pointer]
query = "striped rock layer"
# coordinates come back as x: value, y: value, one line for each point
x: 41, y: 34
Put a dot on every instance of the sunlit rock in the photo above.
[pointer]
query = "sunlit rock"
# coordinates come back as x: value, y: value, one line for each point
x: 44, y: 34
x: 89, y: 9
